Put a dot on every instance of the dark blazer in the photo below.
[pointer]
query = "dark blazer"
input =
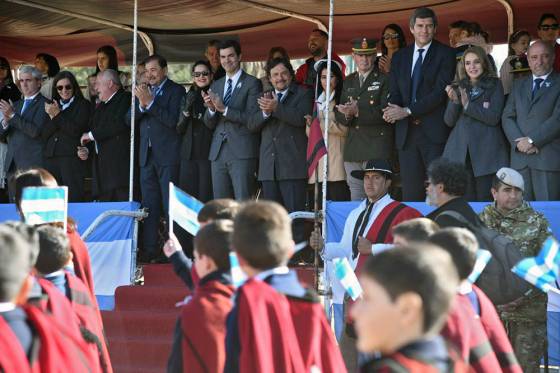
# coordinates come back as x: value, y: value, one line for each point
x: 369, y: 136
x: 438, y: 70
x: 158, y: 126
x: 233, y: 126
x: 112, y: 137
x: 196, y: 137
x: 537, y: 118
x: 283, y: 140
x: 25, y: 145
x: 477, y: 130
x: 62, y: 133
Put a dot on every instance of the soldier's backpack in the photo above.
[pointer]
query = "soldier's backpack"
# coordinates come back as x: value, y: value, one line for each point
x: 497, y: 280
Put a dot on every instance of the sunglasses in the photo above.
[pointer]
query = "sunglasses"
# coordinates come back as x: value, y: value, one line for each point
x: 390, y: 36
x: 199, y: 74
x: 61, y: 87
x: 554, y: 26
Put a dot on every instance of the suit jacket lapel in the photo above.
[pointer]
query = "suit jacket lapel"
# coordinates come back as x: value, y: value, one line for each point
x: 545, y: 86
x: 31, y: 108
x: 238, y: 87
x: 407, y: 73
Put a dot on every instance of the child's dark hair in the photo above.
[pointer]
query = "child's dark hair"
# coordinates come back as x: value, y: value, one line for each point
x: 214, y: 241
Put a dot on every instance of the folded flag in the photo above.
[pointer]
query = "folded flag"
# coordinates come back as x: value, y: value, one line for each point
x: 482, y: 259
x: 183, y: 209
x: 543, y: 269
x: 238, y: 277
x: 347, y: 277
x: 41, y: 205
x: 316, y: 148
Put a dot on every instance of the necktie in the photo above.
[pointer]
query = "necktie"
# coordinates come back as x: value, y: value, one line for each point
x: 416, y: 74
x: 537, y: 86
x: 26, y: 103
x: 279, y: 95
x: 361, y: 77
x: 229, y: 90
x: 360, y: 227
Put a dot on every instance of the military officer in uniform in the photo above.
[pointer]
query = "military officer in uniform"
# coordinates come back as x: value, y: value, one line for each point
x: 525, y: 318
x: 364, y: 94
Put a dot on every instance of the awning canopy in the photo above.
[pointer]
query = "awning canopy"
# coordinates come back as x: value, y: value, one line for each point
x: 179, y: 29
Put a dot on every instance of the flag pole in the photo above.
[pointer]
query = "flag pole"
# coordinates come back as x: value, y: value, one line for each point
x: 316, y: 229
x: 133, y: 103
x: 170, y: 209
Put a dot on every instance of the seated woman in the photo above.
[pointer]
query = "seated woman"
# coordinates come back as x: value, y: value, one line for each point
x: 474, y: 112
x: 69, y: 115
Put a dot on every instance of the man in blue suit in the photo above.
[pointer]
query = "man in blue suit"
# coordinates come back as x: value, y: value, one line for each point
x: 419, y: 75
x: 157, y: 114
x: 23, y: 122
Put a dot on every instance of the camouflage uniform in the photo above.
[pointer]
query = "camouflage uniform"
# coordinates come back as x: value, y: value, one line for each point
x: 525, y: 320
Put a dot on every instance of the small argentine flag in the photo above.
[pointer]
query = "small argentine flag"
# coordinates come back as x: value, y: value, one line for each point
x: 183, y: 209
x: 347, y: 277
x: 543, y: 269
x: 482, y: 259
x: 238, y: 277
x: 41, y: 205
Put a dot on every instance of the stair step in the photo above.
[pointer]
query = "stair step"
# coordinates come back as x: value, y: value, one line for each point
x: 139, y: 323
x: 149, y: 297
x: 160, y: 275
x: 140, y: 352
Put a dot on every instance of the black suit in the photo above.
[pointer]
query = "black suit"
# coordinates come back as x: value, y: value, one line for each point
x: 111, y: 165
x: 421, y: 137
x: 282, y: 159
x: 62, y: 138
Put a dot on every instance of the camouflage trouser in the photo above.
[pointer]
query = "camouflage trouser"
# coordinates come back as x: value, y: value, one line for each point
x: 527, y: 340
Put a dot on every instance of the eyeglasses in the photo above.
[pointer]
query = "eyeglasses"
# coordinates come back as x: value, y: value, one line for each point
x: 390, y: 36
x: 554, y: 26
x: 199, y: 74
x: 61, y: 87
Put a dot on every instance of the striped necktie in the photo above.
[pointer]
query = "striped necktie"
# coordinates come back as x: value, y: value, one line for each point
x: 229, y: 91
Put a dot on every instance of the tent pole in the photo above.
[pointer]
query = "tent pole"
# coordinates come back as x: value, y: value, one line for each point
x: 133, y: 102
x: 145, y: 38
x: 509, y: 11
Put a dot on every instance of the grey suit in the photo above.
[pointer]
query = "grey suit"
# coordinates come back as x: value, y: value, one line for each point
x: 539, y: 119
x: 234, y: 147
x: 25, y: 146
x: 476, y: 137
x: 282, y: 161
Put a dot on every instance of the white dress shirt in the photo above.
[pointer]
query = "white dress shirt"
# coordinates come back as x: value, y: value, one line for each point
x: 416, y: 54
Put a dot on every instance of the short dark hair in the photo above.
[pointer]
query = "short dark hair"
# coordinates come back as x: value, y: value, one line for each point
x: 202, y: 62
x: 452, y: 175
x: 422, y: 269
x: 279, y: 61
x: 76, y: 91
x: 221, y: 208
x: 280, y: 50
x: 415, y: 230
x: 321, y: 32
x: 231, y: 43
x: 111, y: 53
x: 14, y: 263
x: 461, y: 244
x: 546, y: 16
x: 262, y: 234
x: 462, y: 25
x: 214, y: 241
x: 162, y: 62
x: 422, y: 13
x: 52, y: 63
x: 54, y: 249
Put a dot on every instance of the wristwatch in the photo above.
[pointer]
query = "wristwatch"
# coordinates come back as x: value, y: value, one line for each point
x: 408, y: 111
x: 530, y: 140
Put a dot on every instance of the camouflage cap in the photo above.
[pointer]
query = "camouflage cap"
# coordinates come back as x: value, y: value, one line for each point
x: 511, y: 177
x: 364, y: 45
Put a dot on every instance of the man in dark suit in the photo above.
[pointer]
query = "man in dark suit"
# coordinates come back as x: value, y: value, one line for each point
x: 212, y: 54
x: 23, y: 122
x: 531, y: 121
x: 419, y: 75
x: 232, y: 101
x: 157, y: 113
x: 281, y: 122
x: 110, y: 134
x: 364, y: 95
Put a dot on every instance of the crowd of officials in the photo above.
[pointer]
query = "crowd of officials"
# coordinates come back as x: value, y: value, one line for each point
x: 432, y: 119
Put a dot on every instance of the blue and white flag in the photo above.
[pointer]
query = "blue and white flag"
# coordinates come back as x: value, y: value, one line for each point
x: 41, y: 205
x: 183, y: 209
x: 347, y: 277
x: 482, y: 259
x: 543, y: 269
x: 238, y: 277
